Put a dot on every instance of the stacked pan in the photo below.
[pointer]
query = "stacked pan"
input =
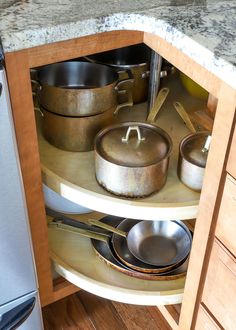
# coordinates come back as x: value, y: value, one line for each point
x: 78, y: 99
x: 154, y: 250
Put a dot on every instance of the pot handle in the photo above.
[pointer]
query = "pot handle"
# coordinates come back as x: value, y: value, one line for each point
x: 184, y: 115
x: 82, y: 232
x: 160, y: 99
x: 132, y: 128
x: 38, y: 87
x: 39, y: 110
x: 128, y: 91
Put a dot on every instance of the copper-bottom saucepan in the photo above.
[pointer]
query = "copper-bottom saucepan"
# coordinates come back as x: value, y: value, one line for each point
x: 74, y: 133
x: 80, y: 89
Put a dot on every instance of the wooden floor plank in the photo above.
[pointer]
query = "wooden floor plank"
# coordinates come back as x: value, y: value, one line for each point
x: 101, y: 312
x: 84, y: 311
x: 66, y: 314
x: 140, y: 318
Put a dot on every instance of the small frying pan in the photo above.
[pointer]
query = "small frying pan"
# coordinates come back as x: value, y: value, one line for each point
x: 120, y: 245
x: 106, y: 253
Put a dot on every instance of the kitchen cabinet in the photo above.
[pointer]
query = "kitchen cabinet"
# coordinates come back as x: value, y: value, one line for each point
x: 18, y: 64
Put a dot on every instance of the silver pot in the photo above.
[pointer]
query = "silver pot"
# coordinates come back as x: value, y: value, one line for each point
x: 135, y: 58
x: 131, y: 159
x: 80, y: 89
x: 193, y: 152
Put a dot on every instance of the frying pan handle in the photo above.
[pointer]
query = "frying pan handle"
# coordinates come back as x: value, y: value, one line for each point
x: 128, y: 90
x: 80, y: 231
x: 107, y: 227
x: 184, y: 115
x: 132, y: 128
x: 160, y: 99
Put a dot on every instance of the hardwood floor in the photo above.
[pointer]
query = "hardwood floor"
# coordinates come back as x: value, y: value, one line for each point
x: 85, y: 311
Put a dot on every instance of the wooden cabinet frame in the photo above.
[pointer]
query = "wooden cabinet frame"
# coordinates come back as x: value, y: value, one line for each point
x: 18, y: 66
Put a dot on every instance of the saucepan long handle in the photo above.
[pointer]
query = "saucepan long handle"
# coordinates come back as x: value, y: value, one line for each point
x: 160, y: 99
x: 82, y: 232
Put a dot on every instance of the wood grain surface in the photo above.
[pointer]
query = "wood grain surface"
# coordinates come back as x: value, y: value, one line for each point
x: 86, y: 311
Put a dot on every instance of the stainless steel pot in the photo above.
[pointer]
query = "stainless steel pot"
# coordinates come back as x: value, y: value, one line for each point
x: 135, y: 58
x: 80, y: 89
x: 193, y: 152
x: 131, y: 159
x: 74, y: 133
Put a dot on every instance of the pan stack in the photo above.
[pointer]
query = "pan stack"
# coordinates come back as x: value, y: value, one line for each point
x: 151, y: 250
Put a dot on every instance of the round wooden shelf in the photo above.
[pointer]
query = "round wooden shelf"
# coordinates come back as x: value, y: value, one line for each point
x: 72, y: 174
x: 74, y: 259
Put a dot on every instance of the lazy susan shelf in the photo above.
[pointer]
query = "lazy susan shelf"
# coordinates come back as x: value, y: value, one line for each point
x: 75, y: 260
x: 72, y: 174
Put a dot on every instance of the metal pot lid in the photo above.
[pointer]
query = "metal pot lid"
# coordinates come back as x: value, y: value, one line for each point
x: 133, y: 144
x: 192, y: 148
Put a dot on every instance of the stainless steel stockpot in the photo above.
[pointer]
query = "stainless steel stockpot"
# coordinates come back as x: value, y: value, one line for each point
x: 131, y: 159
x: 135, y: 58
x: 79, y: 88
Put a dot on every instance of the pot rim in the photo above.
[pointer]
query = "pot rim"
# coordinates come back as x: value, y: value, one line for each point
x: 45, y: 84
x: 185, y: 140
x: 164, y: 134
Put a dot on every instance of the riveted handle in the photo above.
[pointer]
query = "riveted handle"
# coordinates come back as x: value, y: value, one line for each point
x: 160, y: 99
x: 184, y: 115
x: 132, y: 128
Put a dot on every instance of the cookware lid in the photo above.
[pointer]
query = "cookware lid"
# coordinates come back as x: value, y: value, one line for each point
x: 133, y: 144
x: 192, y: 148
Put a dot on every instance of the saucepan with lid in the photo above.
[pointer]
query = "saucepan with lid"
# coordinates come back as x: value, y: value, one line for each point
x: 131, y: 158
x: 193, y: 153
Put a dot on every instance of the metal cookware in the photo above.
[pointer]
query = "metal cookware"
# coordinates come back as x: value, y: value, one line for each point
x: 80, y: 89
x: 102, y: 243
x: 131, y: 159
x: 135, y: 58
x: 136, y: 243
x: 74, y: 133
x: 193, y: 152
x: 106, y: 253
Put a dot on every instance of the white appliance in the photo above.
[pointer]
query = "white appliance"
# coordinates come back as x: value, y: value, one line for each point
x: 19, y: 302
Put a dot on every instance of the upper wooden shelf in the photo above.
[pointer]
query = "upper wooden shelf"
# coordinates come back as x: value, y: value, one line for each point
x: 72, y: 174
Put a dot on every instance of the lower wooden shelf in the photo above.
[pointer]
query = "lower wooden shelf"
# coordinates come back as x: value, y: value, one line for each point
x: 75, y: 260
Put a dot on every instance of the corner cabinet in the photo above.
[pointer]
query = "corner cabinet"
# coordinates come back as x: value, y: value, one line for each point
x: 35, y: 171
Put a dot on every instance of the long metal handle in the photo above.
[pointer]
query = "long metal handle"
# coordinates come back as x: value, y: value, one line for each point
x: 107, y: 227
x: 161, y: 97
x: 184, y: 115
x: 80, y: 231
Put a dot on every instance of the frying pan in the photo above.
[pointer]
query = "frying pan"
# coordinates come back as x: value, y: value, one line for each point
x: 135, y: 227
x: 106, y: 253
x: 158, y: 243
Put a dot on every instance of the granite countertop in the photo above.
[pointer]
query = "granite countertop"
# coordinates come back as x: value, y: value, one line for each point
x: 205, y: 30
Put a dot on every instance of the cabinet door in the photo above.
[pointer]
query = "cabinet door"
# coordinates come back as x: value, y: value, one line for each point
x: 205, y: 321
x: 226, y: 222
x: 220, y: 287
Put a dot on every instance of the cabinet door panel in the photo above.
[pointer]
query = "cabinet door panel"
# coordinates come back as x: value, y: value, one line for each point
x: 205, y: 321
x: 220, y: 286
x: 226, y: 223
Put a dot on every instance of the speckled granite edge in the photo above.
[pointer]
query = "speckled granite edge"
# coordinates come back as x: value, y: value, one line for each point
x: 122, y: 21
